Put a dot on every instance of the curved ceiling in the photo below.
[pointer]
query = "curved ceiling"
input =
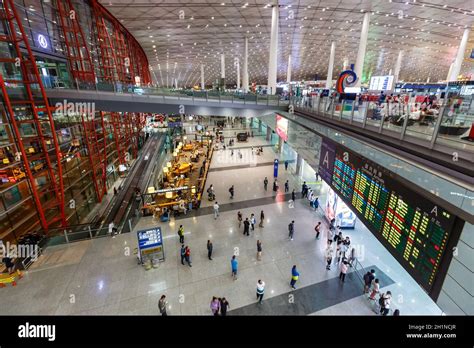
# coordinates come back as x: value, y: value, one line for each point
x: 180, y: 35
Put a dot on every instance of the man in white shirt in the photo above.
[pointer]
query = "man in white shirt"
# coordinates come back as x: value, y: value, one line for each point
x: 216, y: 210
x: 260, y: 290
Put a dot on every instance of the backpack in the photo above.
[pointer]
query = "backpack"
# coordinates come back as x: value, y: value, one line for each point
x: 289, y: 227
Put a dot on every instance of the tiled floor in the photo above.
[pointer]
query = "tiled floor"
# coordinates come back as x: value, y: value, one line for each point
x: 102, y: 276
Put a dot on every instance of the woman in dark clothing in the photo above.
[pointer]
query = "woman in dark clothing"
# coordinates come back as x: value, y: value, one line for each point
x: 224, y: 306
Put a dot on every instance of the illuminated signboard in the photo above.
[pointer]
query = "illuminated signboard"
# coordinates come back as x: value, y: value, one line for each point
x: 381, y: 83
x: 43, y: 41
x: 282, y: 127
x: 413, y: 228
x: 336, y: 209
x: 150, y: 244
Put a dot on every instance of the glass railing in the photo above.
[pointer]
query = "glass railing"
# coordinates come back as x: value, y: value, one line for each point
x: 302, y: 129
x: 449, y: 123
x: 223, y: 97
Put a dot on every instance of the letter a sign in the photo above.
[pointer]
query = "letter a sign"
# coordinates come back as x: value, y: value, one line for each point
x: 326, y: 160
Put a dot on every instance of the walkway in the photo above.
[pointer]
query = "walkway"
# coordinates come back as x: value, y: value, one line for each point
x: 102, y: 276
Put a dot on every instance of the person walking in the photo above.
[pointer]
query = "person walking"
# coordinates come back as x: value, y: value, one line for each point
x: 344, y: 267
x: 209, y: 250
x: 342, y: 252
x: 234, y: 264
x: 315, y: 203
x: 310, y: 196
x: 239, y: 218
x: 291, y: 230
x: 224, y: 306
x: 368, y: 278
x: 246, y: 226
x: 286, y: 165
x: 352, y: 257
x: 275, y: 188
x: 287, y: 186
x: 231, y: 191
x: 215, y: 306
x: 329, y: 253
x: 375, y: 289
x: 181, y: 234
x: 162, y: 305
x: 304, y: 189
x: 216, y: 210
x: 293, y: 195
x: 260, y: 290
x: 262, y: 217
x: 384, y: 302
x: 183, y: 253
x: 338, y: 239
x: 265, y: 183
x: 252, y: 221
x: 331, y: 235
x: 259, y: 250
x: 187, y: 256
x: 317, y: 228
x: 295, y: 275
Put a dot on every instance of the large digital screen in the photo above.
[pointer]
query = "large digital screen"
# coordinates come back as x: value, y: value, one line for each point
x: 282, y: 127
x: 413, y: 228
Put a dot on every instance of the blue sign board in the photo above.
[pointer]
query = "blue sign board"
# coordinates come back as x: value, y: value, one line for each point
x: 150, y: 243
x: 175, y: 124
x: 275, y: 168
x: 42, y: 41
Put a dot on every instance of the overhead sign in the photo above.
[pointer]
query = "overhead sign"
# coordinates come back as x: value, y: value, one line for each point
x: 381, y: 83
x: 150, y: 244
x: 174, y: 189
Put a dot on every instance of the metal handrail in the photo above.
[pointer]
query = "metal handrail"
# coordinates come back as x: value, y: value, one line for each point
x: 218, y: 96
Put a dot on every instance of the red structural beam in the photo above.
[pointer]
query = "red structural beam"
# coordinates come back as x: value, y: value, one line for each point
x: 139, y: 65
x: 77, y: 51
x: 38, y: 107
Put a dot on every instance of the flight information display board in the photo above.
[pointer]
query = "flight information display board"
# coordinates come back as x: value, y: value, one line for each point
x: 413, y: 228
